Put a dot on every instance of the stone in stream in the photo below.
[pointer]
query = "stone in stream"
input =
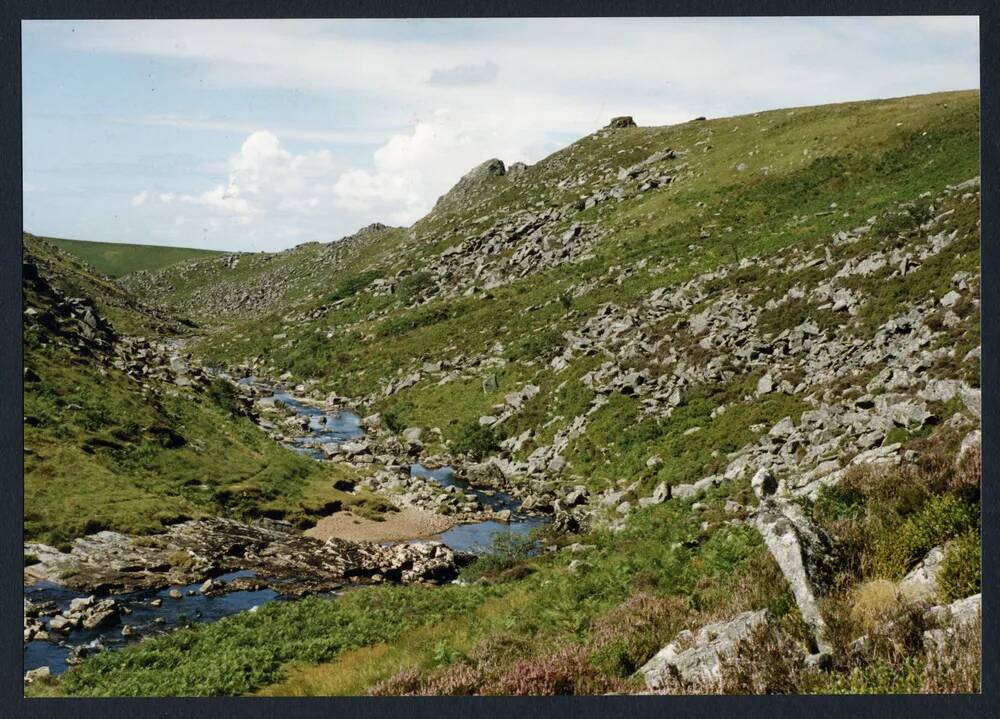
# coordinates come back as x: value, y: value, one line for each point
x: 78, y: 604
x: 36, y: 675
x: 176, y: 594
x: 59, y: 623
x: 103, y: 614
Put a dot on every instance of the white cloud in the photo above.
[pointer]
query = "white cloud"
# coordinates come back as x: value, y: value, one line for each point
x: 413, y: 169
x: 263, y: 177
x: 465, y: 74
x: 262, y: 166
x: 335, y: 135
x: 221, y: 197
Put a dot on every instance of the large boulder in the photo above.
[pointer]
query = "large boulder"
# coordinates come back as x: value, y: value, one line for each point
x: 947, y: 618
x: 801, y: 551
x: 413, y: 435
x: 696, y: 657
x: 922, y: 582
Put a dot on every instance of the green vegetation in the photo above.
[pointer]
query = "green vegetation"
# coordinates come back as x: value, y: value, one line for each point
x: 476, y: 440
x: 582, y: 613
x: 117, y: 458
x: 661, y: 572
x: 117, y: 259
x: 246, y: 651
x: 961, y: 572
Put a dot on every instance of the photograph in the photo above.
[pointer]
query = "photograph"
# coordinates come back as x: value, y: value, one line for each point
x: 499, y: 356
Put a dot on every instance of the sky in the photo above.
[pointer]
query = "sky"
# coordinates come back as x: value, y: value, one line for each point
x: 250, y: 135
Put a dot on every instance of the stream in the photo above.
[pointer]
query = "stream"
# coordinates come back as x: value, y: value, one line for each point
x: 155, y: 612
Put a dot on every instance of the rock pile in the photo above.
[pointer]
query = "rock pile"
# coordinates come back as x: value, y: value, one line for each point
x: 197, y: 550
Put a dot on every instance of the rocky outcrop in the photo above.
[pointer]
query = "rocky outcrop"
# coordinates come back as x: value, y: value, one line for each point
x: 947, y: 618
x: 618, y: 123
x: 282, y: 558
x: 471, y: 182
x: 696, y: 657
x: 921, y: 583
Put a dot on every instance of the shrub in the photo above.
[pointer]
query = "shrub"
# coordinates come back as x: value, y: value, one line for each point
x: 954, y: 666
x: 874, y: 603
x: 352, y: 285
x: 476, y: 440
x: 508, y: 550
x: 626, y: 637
x: 878, y: 678
x: 967, y: 478
x: 564, y: 671
x: 414, y: 285
x: 393, y: 419
x: 942, y: 518
x: 766, y: 662
x: 541, y: 346
x: 404, y: 682
x: 961, y: 570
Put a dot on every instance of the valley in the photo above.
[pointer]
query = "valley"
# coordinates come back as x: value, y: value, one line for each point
x: 680, y: 409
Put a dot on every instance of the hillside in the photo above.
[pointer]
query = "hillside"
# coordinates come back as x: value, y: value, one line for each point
x: 116, y: 259
x: 124, y: 430
x: 735, y: 363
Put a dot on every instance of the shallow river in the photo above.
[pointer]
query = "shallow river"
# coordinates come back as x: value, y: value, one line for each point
x: 194, y: 607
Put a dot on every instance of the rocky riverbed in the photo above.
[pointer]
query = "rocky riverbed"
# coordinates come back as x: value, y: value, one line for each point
x: 109, y: 588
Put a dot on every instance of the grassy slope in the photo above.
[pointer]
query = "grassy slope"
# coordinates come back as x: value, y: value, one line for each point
x: 94, y: 458
x: 116, y: 259
x: 865, y: 157
x: 306, y: 275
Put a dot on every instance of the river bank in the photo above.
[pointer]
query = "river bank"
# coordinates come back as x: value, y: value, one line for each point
x: 408, y: 523
x: 108, y: 589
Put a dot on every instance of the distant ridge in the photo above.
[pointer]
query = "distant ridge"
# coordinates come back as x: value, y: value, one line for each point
x: 118, y: 259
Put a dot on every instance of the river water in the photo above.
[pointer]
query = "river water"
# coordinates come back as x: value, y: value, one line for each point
x: 194, y: 607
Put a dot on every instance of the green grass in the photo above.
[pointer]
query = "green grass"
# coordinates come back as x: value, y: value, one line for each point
x: 545, y: 605
x: 103, y: 454
x: 244, y: 652
x: 117, y: 259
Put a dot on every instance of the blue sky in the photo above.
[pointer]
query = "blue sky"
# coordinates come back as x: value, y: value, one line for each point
x: 259, y: 135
